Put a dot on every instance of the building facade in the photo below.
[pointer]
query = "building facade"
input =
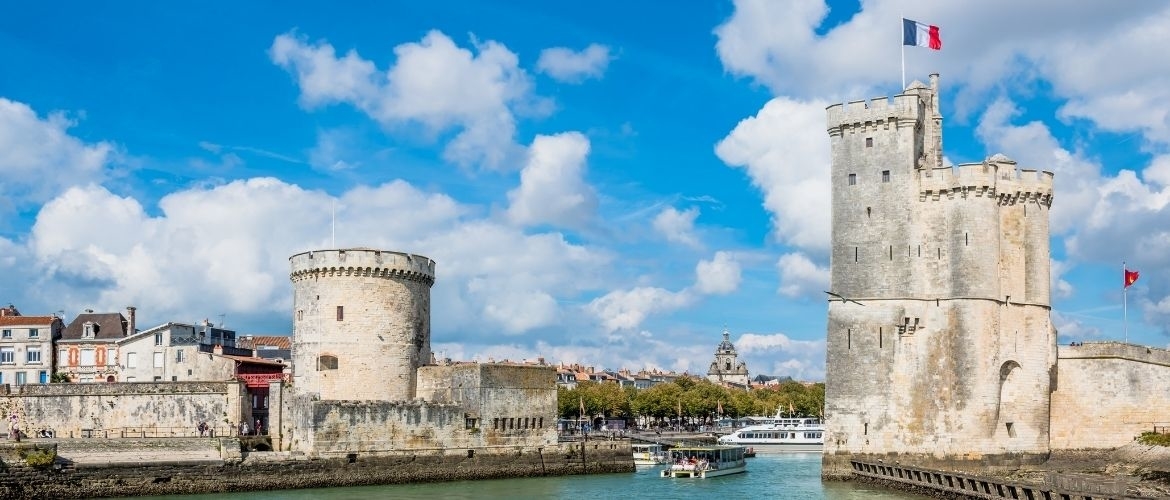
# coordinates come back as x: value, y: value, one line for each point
x: 939, y: 344
x: 88, y: 348
x: 26, y: 346
x: 726, y: 368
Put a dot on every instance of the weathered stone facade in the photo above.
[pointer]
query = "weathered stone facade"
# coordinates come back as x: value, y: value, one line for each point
x: 1108, y: 392
x: 939, y: 344
x: 361, y: 323
x: 124, y: 409
x: 364, y: 379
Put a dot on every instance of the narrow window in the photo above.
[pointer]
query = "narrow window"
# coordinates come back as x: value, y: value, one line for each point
x: 920, y: 250
x: 849, y: 338
x: 158, y: 338
x: 727, y: 366
x: 854, y: 254
x: 869, y: 142
x: 891, y: 252
x: 852, y: 179
x: 939, y: 253
x: 300, y: 314
x: 869, y: 211
x: 879, y: 337
x: 340, y: 313
x: 326, y: 362
x: 1011, y: 430
x: 540, y: 422
x: 866, y: 431
x: 885, y: 176
x: 907, y: 250
x: 966, y: 239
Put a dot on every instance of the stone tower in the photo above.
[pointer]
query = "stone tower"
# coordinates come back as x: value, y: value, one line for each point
x: 939, y: 344
x: 361, y: 323
x: 726, y: 367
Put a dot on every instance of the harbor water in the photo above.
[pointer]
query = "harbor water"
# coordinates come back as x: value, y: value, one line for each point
x: 781, y: 476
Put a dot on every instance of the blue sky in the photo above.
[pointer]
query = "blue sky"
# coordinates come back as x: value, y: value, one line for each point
x: 606, y: 183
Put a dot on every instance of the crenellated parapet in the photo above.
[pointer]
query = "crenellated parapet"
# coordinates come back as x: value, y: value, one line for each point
x: 362, y: 263
x: 995, y: 178
x: 879, y: 112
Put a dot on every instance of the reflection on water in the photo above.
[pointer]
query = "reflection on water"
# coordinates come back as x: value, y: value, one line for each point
x: 786, y: 476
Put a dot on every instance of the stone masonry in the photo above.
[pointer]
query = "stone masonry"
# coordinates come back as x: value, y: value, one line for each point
x: 939, y: 344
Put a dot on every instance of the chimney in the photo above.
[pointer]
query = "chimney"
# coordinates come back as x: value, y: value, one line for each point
x: 130, y: 312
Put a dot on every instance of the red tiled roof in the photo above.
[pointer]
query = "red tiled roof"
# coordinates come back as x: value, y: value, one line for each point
x: 26, y: 320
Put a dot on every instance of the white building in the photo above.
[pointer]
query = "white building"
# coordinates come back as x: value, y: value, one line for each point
x: 26, y: 346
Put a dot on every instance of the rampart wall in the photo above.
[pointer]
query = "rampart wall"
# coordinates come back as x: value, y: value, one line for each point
x: 118, y: 409
x: 274, y: 471
x: 1107, y: 393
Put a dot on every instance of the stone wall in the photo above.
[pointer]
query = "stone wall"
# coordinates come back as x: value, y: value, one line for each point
x: 944, y: 350
x: 140, y: 408
x: 256, y: 472
x: 361, y: 323
x: 1107, y: 393
x: 510, y: 404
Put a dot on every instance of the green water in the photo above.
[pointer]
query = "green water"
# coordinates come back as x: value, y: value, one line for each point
x: 787, y: 476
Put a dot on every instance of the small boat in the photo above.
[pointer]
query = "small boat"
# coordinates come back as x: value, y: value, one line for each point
x: 705, y: 461
x: 750, y: 453
x: 648, y: 454
x: 780, y: 435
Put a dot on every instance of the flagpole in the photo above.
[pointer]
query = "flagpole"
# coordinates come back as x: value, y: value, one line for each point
x: 902, y: 43
x: 1124, y: 308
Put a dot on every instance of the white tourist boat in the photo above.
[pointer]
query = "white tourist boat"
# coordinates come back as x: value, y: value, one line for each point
x: 705, y: 461
x: 780, y: 435
x: 648, y: 454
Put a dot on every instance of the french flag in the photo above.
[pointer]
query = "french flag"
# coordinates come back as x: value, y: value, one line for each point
x: 920, y: 35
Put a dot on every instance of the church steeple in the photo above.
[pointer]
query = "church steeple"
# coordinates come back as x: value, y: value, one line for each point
x: 727, y: 368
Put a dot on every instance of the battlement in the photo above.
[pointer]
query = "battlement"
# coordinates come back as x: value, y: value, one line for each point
x: 363, y: 262
x: 879, y: 109
x: 996, y: 176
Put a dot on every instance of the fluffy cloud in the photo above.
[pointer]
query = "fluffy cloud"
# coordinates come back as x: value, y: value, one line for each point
x: 801, y: 276
x: 627, y: 309
x: 552, y: 187
x: 433, y: 83
x: 565, y: 65
x: 785, y: 151
x: 39, y: 159
x: 678, y: 227
x: 718, y: 276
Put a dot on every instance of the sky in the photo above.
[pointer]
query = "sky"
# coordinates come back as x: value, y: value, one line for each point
x: 609, y: 183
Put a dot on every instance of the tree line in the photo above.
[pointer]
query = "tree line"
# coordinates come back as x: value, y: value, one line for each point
x: 692, y: 398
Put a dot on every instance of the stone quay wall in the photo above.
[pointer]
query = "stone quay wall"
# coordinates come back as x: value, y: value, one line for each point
x: 274, y: 471
x: 127, y: 409
x: 1108, y: 393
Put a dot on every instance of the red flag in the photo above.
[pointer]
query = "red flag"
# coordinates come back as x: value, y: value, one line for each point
x: 1130, y: 278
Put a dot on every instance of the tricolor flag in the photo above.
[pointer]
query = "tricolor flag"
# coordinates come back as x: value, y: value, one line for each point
x: 1130, y: 277
x: 920, y: 35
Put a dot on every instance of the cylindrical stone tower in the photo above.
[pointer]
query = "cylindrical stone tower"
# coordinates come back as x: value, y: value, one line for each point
x: 361, y: 323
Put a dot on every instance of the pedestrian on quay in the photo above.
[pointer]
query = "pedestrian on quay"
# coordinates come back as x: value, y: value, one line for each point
x: 244, y: 428
x: 258, y: 427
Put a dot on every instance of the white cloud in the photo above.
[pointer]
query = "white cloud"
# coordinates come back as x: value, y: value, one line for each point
x: 801, y: 276
x: 1061, y: 289
x: 552, y: 186
x: 677, y: 226
x: 718, y: 276
x: 627, y: 309
x: 39, y: 159
x: 785, y: 151
x: 433, y: 83
x: 565, y: 65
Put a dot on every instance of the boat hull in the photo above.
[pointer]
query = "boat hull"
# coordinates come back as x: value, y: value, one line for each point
x: 701, y: 474
x: 775, y: 449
